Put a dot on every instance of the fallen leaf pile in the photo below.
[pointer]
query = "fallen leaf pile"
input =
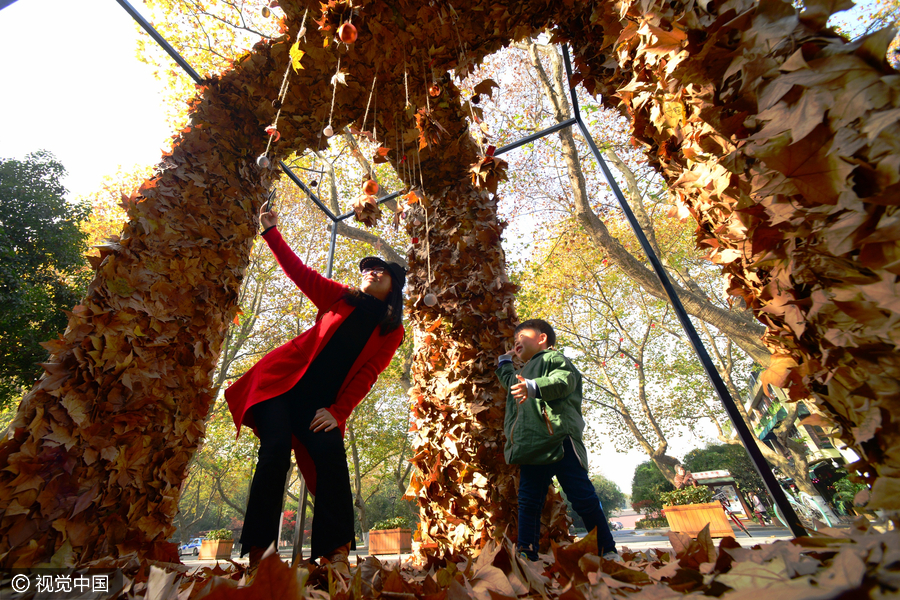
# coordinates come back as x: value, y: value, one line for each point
x: 854, y: 563
x: 780, y: 138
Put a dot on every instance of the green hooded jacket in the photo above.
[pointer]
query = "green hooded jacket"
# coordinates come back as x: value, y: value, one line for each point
x: 535, y: 430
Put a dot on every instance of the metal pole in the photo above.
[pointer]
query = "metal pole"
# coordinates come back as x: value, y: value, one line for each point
x: 747, y: 437
x: 331, y: 247
x: 308, y: 191
x: 300, y: 524
x: 161, y: 41
x: 535, y: 136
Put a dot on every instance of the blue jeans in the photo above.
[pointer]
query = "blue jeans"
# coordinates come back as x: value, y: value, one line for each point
x: 533, y: 483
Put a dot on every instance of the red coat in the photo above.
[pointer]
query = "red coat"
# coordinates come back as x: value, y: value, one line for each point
x: 279, y: 370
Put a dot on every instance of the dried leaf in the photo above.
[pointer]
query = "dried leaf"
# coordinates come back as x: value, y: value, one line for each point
x: 486, y: 87
x: 296, y: 55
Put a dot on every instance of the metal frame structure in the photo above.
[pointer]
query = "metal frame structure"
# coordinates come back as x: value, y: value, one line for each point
x: 746, y: 435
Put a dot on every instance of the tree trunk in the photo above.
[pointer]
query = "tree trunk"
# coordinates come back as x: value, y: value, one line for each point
x: 360, y: 502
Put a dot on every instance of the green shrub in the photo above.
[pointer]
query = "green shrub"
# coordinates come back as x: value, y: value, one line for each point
x: 220, y: 534
x: 844, y: 493
x: 647, y: 485
x: 395, y: 523
x: 687, y: 495
x: 649, y: 523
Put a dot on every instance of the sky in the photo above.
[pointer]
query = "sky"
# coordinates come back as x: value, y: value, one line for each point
x: 74, y: 86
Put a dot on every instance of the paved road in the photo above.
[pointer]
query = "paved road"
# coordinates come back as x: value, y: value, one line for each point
x: 643, y: 540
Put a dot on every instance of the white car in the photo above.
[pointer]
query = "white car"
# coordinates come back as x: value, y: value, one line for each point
x: 616, y: 525
x: 192, y: 547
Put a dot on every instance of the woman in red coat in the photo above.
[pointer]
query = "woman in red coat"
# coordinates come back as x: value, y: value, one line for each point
x: 300, y: 395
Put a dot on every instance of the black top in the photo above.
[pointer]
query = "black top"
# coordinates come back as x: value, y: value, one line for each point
x: 327, y: 372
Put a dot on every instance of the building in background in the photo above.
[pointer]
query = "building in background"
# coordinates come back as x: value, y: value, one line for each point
x: 826, y: 455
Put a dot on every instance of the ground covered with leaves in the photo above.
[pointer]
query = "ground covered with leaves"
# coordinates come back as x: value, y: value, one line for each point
x: 852, y: 563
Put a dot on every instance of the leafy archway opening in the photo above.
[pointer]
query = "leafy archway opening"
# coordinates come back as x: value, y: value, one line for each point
x: 776, y: 135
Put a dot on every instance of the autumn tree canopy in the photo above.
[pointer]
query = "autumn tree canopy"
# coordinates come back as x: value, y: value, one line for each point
x: 41, y: 266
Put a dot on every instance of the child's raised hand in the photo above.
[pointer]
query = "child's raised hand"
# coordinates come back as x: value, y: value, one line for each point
x: 520, y: 390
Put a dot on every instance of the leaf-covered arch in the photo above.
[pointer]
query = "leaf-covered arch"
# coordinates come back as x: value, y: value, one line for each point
x: 778, y: 136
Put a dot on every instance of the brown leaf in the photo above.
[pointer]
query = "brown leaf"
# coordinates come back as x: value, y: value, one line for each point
x: 869, y: 426
x: 808, y: 164
x: 725, y: 559
x: 367, y: 210
x: 799, y: 119
x: 817, y: 420
x: 818, y: 11
x: 486, y: 87
x: 778, y: 374
x: 567, y: 557
x: 882, y: 120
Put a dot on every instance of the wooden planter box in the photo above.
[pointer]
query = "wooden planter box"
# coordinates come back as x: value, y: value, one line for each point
x: 390, y: 541
x: 210, y: 549
x: 692, y: 518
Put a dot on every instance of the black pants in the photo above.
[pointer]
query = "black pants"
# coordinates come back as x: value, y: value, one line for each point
x: 276, y: 419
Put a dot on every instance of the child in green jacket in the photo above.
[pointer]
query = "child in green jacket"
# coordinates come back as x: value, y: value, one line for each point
x: 543, y: 426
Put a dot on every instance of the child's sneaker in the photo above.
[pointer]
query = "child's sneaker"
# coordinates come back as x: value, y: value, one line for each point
x: 612, y: 555
x: 528, y: 555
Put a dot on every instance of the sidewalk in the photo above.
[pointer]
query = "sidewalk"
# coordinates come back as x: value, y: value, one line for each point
x: 752, y: 527
x: 760, y: 535
x: 743, y: 540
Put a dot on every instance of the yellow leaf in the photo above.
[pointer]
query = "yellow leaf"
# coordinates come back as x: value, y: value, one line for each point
x: 749, y: 575
x: 296, y: 55
x: 885, y: 494
x: 673, y: 112
x: 64, y: 557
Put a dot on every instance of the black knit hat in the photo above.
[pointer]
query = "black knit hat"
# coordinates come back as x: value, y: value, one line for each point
x: 397, y: 272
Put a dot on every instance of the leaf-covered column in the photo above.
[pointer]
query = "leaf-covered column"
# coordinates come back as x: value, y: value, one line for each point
x: 782, y: 140
x: 101, y: 445
x: 462, y: 318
